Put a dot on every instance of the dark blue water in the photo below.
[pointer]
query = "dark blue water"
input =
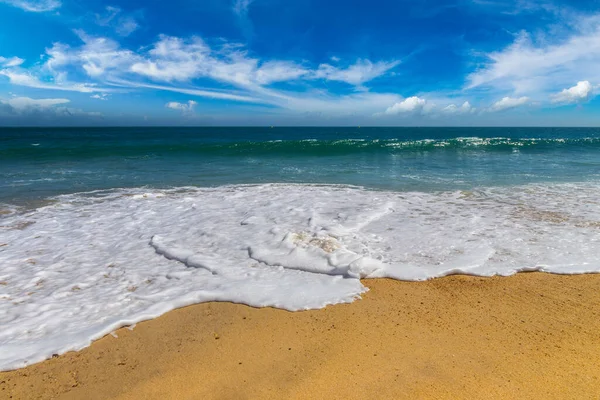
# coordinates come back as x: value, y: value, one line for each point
x: 36, y: 163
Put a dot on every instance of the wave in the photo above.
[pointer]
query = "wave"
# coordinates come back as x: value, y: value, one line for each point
x: 305, y: 147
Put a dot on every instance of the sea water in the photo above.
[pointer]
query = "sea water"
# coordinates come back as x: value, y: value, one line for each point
x: 103, y: 228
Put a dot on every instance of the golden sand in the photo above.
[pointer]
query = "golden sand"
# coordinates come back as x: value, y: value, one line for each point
x: 530, y: 336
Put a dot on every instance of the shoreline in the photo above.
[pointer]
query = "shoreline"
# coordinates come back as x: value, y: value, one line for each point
x: 530, y: 335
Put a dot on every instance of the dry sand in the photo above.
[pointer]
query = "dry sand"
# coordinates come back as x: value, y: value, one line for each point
x: 530, y: 336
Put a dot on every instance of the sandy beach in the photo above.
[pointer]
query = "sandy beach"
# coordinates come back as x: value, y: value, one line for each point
x: 532, y: 335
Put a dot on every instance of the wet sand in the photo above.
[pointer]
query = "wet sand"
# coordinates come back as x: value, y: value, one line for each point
x: 533, y: 335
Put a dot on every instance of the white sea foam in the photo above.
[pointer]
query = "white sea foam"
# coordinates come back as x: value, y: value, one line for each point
x: 87, y: 264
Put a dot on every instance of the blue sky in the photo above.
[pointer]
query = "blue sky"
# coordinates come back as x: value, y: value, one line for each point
x: 299, y: 62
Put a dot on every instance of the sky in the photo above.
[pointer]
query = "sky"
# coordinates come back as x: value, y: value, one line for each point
x: 299, y: 62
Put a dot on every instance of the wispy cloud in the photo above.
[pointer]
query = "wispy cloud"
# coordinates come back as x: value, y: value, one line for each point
x: 357, y: 74
x: 98, y: 56
x: 100, y: 65
x: 34, y: 5
x: 174, y: 64
x: 113, y: 17
x: 176, y: 59
x: 240, y: 7
x: 21, y: 78
x: 11, y: 62
x: 211, y: 94
x: 516, y: 7
x: 507, y: 103
x: 537, y: 67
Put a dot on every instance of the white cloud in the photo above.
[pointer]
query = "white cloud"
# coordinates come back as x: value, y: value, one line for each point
x: 357, y: 74
x: 11, y: 62
x: 435, y: 107
x: 412, y: 104
x: 127, y: 25
x: 124, y: 25
x: 453, y: 109
x: 278, y: 71
x: 179, y: 62
x: 97, y: 56
x: 185, y: 108
x: 540, y: 67
x: 23, y: 79
x: 323, y: 103
x: 25, y: 103
x: 34, y: 5
x: 100, y: 96
x: 581, y: 92
x: 35, y: 111
x: 211, y: 94
x: 106, y: 18
x: 28, y: 80
x: 175, y: 64
x: 240, y: 7
x: 508, y: 103
x: 175, y: 59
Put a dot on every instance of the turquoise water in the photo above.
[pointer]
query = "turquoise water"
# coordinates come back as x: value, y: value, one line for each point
x: 37, y: 163
x: 106, y: 211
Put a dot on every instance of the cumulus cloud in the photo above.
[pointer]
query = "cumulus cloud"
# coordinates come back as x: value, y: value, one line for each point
x: 34, y: 5
x: 508, y: 103
x: 11, y: 62
x: 185, y: 108
x: 581, y: 92
x: 453, y: 109
x: 100, y: 96
x: 420, y: 106
x: 412, y: 104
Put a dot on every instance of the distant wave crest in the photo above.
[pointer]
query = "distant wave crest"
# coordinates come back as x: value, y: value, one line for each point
x: 306, y: 147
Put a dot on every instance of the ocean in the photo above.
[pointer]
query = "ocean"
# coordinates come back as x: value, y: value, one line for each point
x: 38, y: 163
x: 105, y: 227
